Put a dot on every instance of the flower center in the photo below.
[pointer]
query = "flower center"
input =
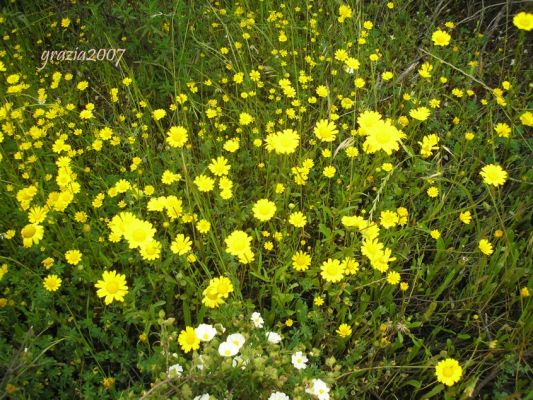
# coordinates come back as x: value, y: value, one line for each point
x: 139, y: 236
x: 29, y: 231
x: 383, y: 136
x: 112, y: 287
x: 447, y: 371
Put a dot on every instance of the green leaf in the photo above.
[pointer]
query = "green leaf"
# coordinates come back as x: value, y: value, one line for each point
x: 436, y: 390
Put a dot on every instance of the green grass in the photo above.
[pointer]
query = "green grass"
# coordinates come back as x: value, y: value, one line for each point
x: 458, y: 302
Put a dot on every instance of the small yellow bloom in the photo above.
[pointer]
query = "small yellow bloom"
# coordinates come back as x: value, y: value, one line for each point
x: 112, y: 286
x: 52, y: 283
x: 493, y: 174
x: 393, y: 278
x: 159, y: 114
x: 523, y: 20
x: 486, y: 247
x: 435, y: 234
x: 73, y: 257
x: 188, y: 340
x: 344, y: 330
x: 318, y: 301
x: 441, y: 38
x: 433, y: 191
x: 448, y: 371
x: 465, y: 217
x: 108, y: 383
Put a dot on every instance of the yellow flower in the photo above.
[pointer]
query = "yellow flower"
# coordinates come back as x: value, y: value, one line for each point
x: 112, y: 286
x: 387, y: 75
x: 486, y: 247
x: 181, y: 245
x: 238, y: 243
x: 177, y: 136
x: 82, y: 85
x: 52, y: 283
x: 329, y: 171
x: 352, y: 151
x: 502, y: 129
x: 108, y: 382
x: 527, y: 118
x: 138, y: 232
x: 345, y: 11
x: 188, y: 340
x: 204, y: 183
x: 264, y: 209
x: 31, y: 234
x: 301, y: 261
x: 217, y: 291
x: 344, y: 330
x: 388, y: 219
x: 469, y: 136
x: 245, y: 119
x: 435, y: 234
x: 425, y: 70
x: 151, y: 250
x: 524, y: 292
x: 297, y: 219
x: 428, y: 145
x: 326, y: 131
x: 322, y: 91
x: 73, y: 257
x: 3, y: 270
x: 285, y: 142
x: 341, y: 55
x: 420, y: 113
x: 203, y: 226
x: 448, y: 371
x: 350, y: 266
x: 219, y: 166
x: 158, y: 114
x: 465, y: 217
x: 382, y: 135
x: 493, y: 174
x: 393, y: 278
x: 433, y: 191
x: 318, y: 301
x: 48, y: 262
x: 332, y: 270
x: 441, y: 38
x: 523, y: 20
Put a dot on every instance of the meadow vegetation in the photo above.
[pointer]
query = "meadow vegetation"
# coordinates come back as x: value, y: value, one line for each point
x: 266, y: 200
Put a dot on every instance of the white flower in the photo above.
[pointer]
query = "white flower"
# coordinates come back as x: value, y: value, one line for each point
x: 319, y: 389
x: 299, y: 360
x: 175, y: 370
x: 237, y: 339
x: 205, y: 332
x: 278, y: 396
x: 204, y: 396
x: 227, y: 349
x: 273, y: 337
x: 257, y: 320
